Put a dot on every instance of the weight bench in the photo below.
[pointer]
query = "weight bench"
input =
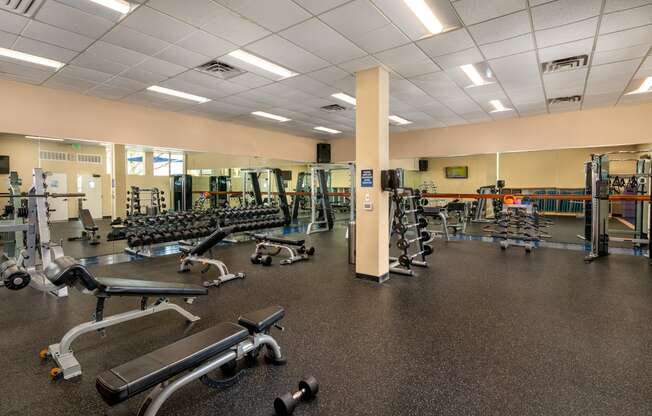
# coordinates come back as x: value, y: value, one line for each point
x: 196, y: 254
x: 65, y: 271
x: 89, y: 233
x: 172, y: 367
x: 265, y: 245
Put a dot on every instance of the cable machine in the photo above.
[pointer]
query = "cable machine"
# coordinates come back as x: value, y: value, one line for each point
x: 251, y: 179
x: 322, y: 216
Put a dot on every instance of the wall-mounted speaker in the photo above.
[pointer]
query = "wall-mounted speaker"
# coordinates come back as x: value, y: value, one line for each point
x: 323, y: 153
x: 423, y: 165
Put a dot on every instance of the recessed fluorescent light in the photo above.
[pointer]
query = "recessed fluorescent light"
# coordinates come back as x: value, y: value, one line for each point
x: 646, y: 86
x: 474, y: 75
x: 398, y: 120
x: 499, y: 107
x: 22, y: 56
x: 262, y: 64
x: 179, y: 94
x: 427, y: 17
x: 119, y: 6
x: 327, y: 130
x: 344, y: 97
x: 44, y: 138
x: 280, y: 119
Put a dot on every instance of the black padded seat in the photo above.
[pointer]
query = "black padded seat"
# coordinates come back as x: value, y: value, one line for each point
x: 210, y: 241
x: 262, y: 319
x: 66, y: 271
x: 126, y: 380
x: 279, y: 240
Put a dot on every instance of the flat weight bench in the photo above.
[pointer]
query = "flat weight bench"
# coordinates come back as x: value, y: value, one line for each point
x: 267, y: 246
x: 66, y: 271
x: 191, y: 358
x: 197, y: 254
x: 90, y: 229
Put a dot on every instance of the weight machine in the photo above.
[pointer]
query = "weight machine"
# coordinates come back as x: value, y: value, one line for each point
x: 251, y: 179
x: 322, y: 216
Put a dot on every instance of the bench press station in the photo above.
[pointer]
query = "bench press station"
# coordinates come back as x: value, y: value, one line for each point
x: 264, y: 245
x: 90, y: 229
x: 168, y: 369
x: 196, y: 254
x: 66, y: 271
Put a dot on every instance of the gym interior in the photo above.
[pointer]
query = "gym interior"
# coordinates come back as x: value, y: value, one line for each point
x: 325, y: 207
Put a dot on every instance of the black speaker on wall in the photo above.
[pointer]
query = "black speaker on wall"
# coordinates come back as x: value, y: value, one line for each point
x: 323, y: 153
x: 423, y: 165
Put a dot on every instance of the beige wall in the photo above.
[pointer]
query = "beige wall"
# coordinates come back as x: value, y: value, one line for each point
x: 33, y: 110
x: 148, y: 180
x: 482, y: 171
x: 628, y: 124
x: 24, y: 157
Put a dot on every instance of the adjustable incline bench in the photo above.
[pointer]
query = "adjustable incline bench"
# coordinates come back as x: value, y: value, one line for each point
x: 66, y: 271
x: 194, y: 357
x: 89, y: 232
x: 264, y: 244
x: 196, y: 254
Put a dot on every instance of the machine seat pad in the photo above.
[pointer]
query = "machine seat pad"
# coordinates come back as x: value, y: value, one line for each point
x: 210, y: 241
x: 130, y: 287
x: 262, y: 319
x: 279, y: 240
x: 124, y: 381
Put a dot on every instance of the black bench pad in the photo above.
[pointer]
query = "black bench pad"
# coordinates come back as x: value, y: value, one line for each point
x: 210, y: 241
x: 262, y: 319
x: 130, y: 287
x: 122, y: 382
x: 279, y: 240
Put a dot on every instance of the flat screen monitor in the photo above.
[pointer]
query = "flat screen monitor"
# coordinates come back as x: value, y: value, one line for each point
x: 4, y: 165
x: 457, y: 172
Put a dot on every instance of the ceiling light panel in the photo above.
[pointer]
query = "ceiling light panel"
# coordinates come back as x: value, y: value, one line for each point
x: 52, y: 139
x: 261, y: 63
x: 178, y: 94
x: 120, y: 6
x: 479, y: 74
x: 498, y: 106
x: 345, y: 97
x: 399, y: 121
x: 274, y: 117
x: 645, y: 87
x: 401, y: 13
x: 26, y: 57
x: 327, y: 130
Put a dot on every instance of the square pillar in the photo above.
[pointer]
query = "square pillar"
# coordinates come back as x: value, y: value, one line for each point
x: 372, y: 156
x: 119, y: 182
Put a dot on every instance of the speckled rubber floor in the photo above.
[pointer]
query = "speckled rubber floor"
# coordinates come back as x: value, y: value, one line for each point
x: 481, y: 332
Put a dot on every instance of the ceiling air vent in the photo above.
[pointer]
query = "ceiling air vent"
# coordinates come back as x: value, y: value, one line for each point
x: 565, y: 63
x: 565, y: 100
x: 22, y: 7
x: 333, y: 108
x: 220, y: 69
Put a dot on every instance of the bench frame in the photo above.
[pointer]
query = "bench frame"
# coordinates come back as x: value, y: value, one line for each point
x: 290, y: 246
x: 62, y: 352
x: 159, y: 394
x: 188, y: 260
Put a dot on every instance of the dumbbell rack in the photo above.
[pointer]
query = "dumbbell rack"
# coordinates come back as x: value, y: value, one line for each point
x: 518, y: 224
x: 152, y: 195
x: 399, y: 204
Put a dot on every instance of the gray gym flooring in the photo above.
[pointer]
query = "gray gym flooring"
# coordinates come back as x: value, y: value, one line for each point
x: 482, y: 331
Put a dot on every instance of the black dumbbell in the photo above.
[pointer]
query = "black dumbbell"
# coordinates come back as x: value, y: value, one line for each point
x: 403, y: 243
x: 406, y: 260
x: 402, y: 228
x: 285, y: 404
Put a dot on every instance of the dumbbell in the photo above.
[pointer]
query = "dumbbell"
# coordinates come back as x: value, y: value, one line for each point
x: 402, y: 228
x: 264, y: 259
x: 310, y: 251
x: 403, y: 243
x: 285, y: 404
x: 406, y: 260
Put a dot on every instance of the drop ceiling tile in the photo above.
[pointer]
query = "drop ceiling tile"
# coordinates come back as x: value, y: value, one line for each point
x: 70, y: 84
x: 469, y: 56
x: 445, y: 43
x: 615, y: 5
x: 485, y: 93
x: 626, y: 19
x: 45, y: 50
x: 7, y: 39
x: 600, y: 100
x: 224, y: 108
x: 360, y: 64
x: 196, y: 12
x: 328, y: 75
x: 159, y: 66
x: 439, y: 86
x: 611, y: 78
x: 408, y: 61
x: 274, y: 15
x: 109, y: 92
x: 568, y: 33
x: 635, y: 98
x: 250, y: 80
x: 309, y: 85
x: 319, y: 6
x: 646, y: 68
x: 127, y: 84
x: 12, y: 23
x: 211, y: 82
x: 183, y: 57
x: 631, y: 37
x: 564, y: 107
x: 143, y: 76
x: 565, y: 83
x: 182, y: 85
x: 563, y: 12
x: 505, y: 27
x: 154, y: 23
x: 279, y: 50
x: 372, y: 33
x: 346, y: 85
x: 98, y: 63
x: 319, y: 39
x: 519, y: 76
x: 206, y: 44
x: 55, y: 36
x: 605, y: 57
x: 475, y: 11
x: 566, y: 50
x: 24, y: 73
x: 72, y: 19
x: 72, y: 71
x: 234, y: 28
x: 95, y: 9
x: 116, y: 53
x: 131, y: 39
x: 507, y: 47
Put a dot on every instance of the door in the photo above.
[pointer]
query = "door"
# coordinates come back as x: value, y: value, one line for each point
x: 91, y: 185
x: 58, y: 183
